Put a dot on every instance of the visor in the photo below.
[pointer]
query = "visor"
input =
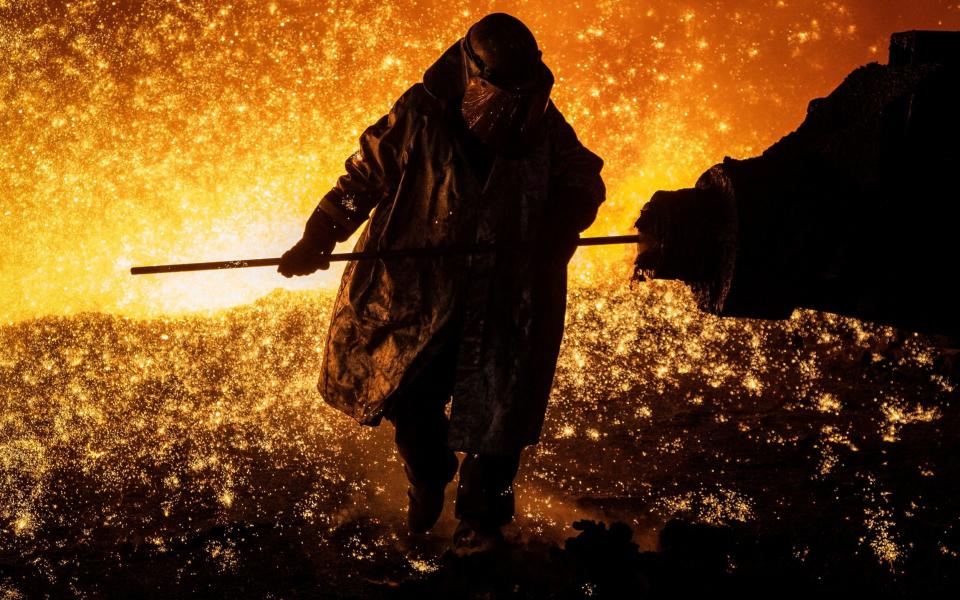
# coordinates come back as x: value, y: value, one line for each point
x: 503, y: 116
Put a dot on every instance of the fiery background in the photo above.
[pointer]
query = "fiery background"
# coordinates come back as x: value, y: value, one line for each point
x: 164, y: 131
x: 136, y: 432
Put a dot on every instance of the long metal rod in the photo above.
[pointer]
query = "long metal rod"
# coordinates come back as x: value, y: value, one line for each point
x: 367, y: 255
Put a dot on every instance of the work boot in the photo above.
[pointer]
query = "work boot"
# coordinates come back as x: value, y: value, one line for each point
x: 425, y: 506
x: 470, y: 538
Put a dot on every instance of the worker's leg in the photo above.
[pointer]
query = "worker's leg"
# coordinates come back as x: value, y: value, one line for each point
x: 418, y: 414
x: 421, y: 436
x: 485, y: 494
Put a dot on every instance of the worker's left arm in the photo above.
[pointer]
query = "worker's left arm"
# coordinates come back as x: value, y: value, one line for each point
x: 576, y: 188
x: 373, y: 171
x: 371, y: 175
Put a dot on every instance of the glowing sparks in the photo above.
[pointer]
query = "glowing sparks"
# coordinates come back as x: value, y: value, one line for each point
x: 23, y: 524
x: 718, y: 508
x: 423, y: 566
x: 206, y: 132
x: 899, y: 414
x: 828, y: 403
x: 179, y: 131
x: 195, y: 429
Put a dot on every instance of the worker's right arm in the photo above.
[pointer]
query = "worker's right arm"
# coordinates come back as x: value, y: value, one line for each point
x: 576, y: 187
x: 371, y: 176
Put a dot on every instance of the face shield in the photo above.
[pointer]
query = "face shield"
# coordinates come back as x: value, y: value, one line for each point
x: 505, y: 115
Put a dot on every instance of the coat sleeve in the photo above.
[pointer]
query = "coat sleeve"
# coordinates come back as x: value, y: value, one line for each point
x: 372, y: 172
x: 576, y: 188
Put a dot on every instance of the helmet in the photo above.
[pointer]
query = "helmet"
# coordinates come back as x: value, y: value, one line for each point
x: 497, y: 73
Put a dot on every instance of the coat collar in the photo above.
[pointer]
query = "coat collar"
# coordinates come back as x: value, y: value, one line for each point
x: 444, y: 79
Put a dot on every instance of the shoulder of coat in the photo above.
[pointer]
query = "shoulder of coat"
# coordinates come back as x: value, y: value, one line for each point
x: 553, y: 113
x: 556, y: 124
x: 417, y: 101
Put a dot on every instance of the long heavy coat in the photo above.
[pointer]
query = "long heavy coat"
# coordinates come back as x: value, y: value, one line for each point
x: 391, y: 317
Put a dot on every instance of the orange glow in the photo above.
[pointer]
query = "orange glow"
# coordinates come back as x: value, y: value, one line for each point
x: 163, y: 131
x: 136, y: 133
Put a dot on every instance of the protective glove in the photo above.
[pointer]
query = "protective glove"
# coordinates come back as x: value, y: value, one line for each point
x: 312, y: 251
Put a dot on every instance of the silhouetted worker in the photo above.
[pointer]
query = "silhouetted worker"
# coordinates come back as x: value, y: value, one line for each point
x: 476, y: 154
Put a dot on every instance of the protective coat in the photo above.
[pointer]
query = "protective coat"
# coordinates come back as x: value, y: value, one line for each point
x: 391, y: 317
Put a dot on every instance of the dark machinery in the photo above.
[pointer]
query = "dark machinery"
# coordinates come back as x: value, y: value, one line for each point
x: 857, y: 212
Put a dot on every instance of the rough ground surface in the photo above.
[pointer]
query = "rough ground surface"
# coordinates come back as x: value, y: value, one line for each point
x: 191, y: 457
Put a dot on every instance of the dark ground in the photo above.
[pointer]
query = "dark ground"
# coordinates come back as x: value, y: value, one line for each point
x: 191, y: 457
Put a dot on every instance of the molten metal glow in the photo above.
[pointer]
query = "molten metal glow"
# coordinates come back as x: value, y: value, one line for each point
x: 170, y: 130
x: 163, y: 131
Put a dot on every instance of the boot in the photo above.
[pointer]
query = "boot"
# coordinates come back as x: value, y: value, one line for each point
x: 424, y: 507
x: 472, y: 537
